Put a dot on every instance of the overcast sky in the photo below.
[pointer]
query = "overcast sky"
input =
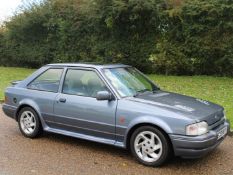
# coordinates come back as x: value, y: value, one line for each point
x: 8, y: 7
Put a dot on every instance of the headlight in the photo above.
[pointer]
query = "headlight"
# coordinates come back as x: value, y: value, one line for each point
x: 197, y: 129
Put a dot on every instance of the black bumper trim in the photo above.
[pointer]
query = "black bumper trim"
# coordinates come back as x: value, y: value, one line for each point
x: 9, y: 110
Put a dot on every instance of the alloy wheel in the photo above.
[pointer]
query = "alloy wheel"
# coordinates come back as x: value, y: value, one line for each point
x: 148, y: 146
x: 27, y: 122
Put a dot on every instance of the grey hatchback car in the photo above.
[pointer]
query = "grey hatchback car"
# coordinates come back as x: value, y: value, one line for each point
x: 116, y: 105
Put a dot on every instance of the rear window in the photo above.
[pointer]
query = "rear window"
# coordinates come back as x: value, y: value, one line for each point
x: 47, y: 81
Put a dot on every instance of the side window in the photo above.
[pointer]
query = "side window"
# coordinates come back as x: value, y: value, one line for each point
x: 82, y: 82
x: 48, y: 81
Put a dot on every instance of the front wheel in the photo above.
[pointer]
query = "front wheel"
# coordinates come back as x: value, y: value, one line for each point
x: 150, y: 146
x: 29, y: 123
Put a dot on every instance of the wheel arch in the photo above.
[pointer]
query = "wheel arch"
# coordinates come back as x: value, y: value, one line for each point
x: 164, y: 128
x: 20, y: 108
x: 27, y: 103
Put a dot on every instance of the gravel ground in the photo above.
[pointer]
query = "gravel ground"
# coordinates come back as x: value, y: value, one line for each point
x: 56, y: 154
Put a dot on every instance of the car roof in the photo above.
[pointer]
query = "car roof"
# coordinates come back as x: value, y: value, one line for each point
x: 90, y: 65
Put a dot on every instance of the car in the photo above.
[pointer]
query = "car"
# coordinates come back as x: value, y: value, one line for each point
x: 118, y: 105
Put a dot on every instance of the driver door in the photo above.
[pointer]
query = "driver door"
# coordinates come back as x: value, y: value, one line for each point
x: 77, y: 110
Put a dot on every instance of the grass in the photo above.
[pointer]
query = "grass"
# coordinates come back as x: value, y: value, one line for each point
x: 215, y: 89
x: 7, y: 75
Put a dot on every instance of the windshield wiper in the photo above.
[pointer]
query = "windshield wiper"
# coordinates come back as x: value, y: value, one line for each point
x: 155, y: 89
x: 141, y: 91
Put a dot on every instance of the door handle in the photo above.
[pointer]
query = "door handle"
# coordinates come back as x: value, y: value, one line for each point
x: 62, y: 100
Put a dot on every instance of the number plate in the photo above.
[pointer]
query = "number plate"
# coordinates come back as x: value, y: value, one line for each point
x: 222, y: 133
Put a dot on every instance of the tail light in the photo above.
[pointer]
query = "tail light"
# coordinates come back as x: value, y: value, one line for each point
x: 5, y: 99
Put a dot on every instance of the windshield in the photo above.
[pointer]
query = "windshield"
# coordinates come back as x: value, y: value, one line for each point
x: 128, y: 81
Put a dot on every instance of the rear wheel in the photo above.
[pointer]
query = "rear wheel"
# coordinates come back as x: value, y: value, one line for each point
x: 29, y: 123
x: 150, y: 146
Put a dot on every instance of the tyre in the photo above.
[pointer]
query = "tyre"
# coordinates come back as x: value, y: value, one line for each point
x: 29, y: 123
x: 150, y: 146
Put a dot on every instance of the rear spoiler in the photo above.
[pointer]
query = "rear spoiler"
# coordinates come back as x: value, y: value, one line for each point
x: 15, y: 82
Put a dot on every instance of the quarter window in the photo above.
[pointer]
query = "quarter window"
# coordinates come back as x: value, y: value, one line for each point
x: 83, y: 82
x: 48, y: 81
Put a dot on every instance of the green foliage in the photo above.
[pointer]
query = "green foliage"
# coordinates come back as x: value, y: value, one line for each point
x: 163, y: 36
x: 198, y: 39
x: 25, y: 39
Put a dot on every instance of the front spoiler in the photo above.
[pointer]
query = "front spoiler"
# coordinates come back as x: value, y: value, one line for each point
x: 197, y: 146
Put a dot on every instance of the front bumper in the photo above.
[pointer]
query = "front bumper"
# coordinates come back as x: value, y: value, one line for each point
x: 9, y: 110
x: 197, y: 146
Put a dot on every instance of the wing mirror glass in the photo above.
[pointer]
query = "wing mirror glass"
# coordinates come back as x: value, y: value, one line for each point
x: 104, y: 95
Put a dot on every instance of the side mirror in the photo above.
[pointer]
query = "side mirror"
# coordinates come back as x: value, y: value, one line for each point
x: 104, y: 95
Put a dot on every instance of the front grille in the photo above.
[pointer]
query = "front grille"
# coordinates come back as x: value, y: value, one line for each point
x: 214, y: 118
x: 217, y: 124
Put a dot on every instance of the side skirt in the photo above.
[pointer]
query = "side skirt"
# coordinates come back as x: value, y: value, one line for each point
x: 85, y: 137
